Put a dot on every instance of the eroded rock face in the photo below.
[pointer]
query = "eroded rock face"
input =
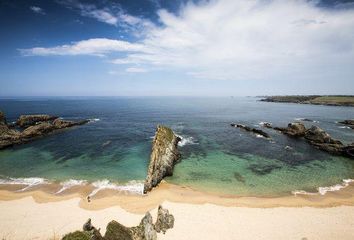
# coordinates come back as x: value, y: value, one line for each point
x: 29, y: 120
x: 318, y: 135
x: 294, y: 129
x: 146, y: 230
x: 164, y: 220
x: 34, y: 126
x: 163, y: 157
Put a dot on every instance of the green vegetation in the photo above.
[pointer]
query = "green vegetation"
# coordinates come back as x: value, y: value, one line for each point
x: 333, y: 100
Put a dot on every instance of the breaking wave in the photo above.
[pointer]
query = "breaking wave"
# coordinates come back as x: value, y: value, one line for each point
x: 28, y: 182
x: 324, y: 190
x: 70, y: 183
x: 186, y: 141
x: 136, y: 187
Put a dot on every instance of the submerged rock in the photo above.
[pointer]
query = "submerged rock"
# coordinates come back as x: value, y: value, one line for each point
x: 30, y: 120
x: 249, y: 129
x: 34, y: 126
x: 163, y: 157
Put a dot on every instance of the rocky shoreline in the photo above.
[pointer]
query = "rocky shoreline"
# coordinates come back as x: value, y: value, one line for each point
x: 30, y: 127
x: 146, y: 230
x: 347, y: 101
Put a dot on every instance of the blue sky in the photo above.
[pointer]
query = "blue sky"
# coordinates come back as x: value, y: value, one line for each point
x: 179, y: 48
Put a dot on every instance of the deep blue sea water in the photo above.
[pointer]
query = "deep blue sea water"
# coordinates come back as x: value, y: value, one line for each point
x: 116, y: 145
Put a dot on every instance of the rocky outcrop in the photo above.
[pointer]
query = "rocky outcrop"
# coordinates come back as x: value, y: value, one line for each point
x: 318, y: 138
x: 163, y: 157
x: 146, y: 230
x: 30, y: 120
x: 294, y: 129
x: 249, y: 129
x: 34, y: 126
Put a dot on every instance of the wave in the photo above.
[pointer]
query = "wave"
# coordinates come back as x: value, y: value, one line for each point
x: 94, y: 120
x: 306, y: 120
x: 29, y: 182
x: 71, y: 183
x: 186, y: 141
x: 323, y: 190
x: 136, y: 187
x: 346, y: 127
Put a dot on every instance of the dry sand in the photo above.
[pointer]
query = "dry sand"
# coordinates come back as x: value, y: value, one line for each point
x: 38, y: 214
x: 24, y: 219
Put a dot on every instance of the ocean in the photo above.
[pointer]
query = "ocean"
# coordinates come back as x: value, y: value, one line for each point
x: 113, y: 150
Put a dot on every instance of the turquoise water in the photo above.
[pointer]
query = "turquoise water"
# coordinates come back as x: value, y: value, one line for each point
x: 215, y: 157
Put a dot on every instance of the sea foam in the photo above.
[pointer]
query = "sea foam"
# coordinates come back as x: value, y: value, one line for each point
x: 71, y: 183
x: 186, y: 141
x: 135, y: 187
x: 29, y: 182
x: 323, y: 190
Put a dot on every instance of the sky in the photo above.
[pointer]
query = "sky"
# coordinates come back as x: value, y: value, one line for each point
x: 176, y: 48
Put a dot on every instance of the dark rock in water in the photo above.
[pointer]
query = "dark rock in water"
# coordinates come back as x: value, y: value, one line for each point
x: 30, y: 120
x: 239, y: 177
x: 349, y: 123
x: 35, y: 126
x: 163, y: 157
x: 295, y: 129
x: 164, y: 220
x: 249, y: 129
x: 60, y: 123
x: 349, y: 150
x: 263, y: 169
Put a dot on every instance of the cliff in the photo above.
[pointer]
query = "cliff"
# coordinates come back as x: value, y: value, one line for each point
x: 163, y: 157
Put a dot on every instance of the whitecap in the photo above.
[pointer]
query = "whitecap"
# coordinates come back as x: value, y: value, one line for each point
x: 135, y: 187
x: 29, y: 182
x: 94, y: 120
x: 71, y: 183
x: 186, y: 141
x: 323, y: 190
x: 346, y: 127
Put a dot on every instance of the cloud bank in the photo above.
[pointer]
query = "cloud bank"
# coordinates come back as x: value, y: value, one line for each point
x: 228, y: 39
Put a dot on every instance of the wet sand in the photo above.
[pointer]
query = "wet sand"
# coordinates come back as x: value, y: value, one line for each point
x: 39, y: 214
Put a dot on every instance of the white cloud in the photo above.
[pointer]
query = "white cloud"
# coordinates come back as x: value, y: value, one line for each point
x: 111, y: 14
x: 135, y: 70
x: 95, y: 46
x: 37, y: 10
x: 245, y: 39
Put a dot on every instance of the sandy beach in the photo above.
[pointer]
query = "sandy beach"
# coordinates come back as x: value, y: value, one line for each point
x: 41, y: 215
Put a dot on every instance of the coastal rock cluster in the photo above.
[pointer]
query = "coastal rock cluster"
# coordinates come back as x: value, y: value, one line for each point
x: 318, y: 138
x: 29, y: 127
x: 163, y: 157
x: 146, y: 230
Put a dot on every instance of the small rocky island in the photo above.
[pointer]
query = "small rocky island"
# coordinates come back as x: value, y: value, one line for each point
x: 30, y: 127
x: 331, y: 100
x: 318, y: 138
x: 349, y: 123
x: 163, y: 157
x: 146, y: 230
